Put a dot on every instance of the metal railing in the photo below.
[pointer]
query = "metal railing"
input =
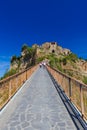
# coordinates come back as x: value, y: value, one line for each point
x: 75, y: 90
x: 10, y: 85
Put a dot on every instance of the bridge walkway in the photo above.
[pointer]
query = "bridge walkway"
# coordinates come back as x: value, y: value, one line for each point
x: 36, y: 106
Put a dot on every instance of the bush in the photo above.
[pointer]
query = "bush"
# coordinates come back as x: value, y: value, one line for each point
x: 85, y: 79
x: 64, y: 60
x: 52, y: 62
x: 59, y: 68
x: 40, y: 59
x: 72, y: 57
x: 24, y: 47
x: 30, y: 54
x: 14, y: 58
x: 9, y: 73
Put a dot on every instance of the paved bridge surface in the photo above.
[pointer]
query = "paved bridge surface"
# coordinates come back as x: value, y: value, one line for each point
x: 36, y: 106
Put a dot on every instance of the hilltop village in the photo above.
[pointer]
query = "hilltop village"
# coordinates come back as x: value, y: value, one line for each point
x: 56, y: 56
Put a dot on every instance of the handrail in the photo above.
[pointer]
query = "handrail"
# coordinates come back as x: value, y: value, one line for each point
x: 10, y: 85
x: 74, y: 89
x: 3, y: 80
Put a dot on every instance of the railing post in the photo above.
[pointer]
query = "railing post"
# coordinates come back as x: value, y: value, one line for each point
x: 16, y: 83
x: 82, y: 103
x: 26, y: 74
x: 70, y: 88
x: 61, y: 82
x: 9, y: 89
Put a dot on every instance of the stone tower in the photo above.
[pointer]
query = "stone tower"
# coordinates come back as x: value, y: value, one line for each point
x: 53, y: 47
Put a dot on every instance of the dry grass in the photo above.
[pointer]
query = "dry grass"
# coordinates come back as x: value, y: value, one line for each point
x: 10, y: 86
x: 77, y: 97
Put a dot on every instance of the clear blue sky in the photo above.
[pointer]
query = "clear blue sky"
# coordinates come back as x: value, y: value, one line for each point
x: 37, y: 21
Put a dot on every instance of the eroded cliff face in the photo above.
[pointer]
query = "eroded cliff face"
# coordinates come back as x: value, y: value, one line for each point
x: 25, y: 60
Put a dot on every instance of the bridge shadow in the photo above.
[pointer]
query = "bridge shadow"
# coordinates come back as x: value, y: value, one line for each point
x: 72, y: 110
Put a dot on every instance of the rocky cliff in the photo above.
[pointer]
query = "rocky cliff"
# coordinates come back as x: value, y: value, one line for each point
x: 60, y: 58
x: 26, y: 59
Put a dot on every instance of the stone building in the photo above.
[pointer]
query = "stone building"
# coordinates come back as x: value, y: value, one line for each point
x: 53, y: 47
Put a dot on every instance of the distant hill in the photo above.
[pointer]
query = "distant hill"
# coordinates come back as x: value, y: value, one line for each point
x: 60, y: 58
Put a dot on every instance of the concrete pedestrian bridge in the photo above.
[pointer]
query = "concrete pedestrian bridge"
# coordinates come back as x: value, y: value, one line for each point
x: 40, y: 104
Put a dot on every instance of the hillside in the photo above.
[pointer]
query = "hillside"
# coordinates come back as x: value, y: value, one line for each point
x: 60, y: 58
x: 63, y: 59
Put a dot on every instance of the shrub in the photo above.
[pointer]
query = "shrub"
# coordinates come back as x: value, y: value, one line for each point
x: 24, y: 47
x: 14, y: 58
x: 40, y: 59
x: 72, y: 57
x: 10, y: 72
x: 85, y: 79
x: 59, y: 67
x: 64, y: 60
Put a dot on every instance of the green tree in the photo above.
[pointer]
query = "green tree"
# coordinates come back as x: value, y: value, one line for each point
x: 14, y: 58
x: 9, y: 73
x: 64, y: 60
x: 72, y: 57
x: 85, y: 79
x: 24, y: 47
